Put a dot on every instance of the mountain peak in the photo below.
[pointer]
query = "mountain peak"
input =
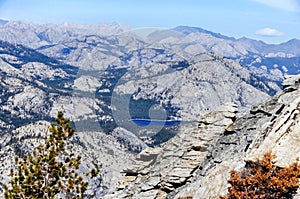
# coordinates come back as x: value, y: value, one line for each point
x: 3, y: 22
x: 293, y: 41
x: 189, y: 29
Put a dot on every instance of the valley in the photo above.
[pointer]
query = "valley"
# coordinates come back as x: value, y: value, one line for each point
x: 110, y: 79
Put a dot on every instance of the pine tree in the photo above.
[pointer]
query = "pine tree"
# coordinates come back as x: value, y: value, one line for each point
x: 46, y: 173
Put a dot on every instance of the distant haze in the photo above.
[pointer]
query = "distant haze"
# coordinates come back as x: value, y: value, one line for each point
x: 270, y: 21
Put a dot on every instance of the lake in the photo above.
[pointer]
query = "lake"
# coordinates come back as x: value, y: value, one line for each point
x: 152, y: 122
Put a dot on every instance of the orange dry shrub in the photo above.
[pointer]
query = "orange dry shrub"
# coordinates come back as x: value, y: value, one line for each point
x: 263, y: 179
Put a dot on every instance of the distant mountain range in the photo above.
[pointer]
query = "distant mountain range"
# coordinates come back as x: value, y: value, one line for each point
x: 108, y: 59
x: 35, y: 86
x: 256, y: 47
x: 95, y: 47
x: 104, y: 76
x: 30, y: 82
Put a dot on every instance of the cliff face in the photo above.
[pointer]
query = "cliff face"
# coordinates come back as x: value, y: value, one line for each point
x: 197, y: 161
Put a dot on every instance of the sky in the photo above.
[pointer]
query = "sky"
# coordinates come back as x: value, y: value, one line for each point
x: 272, y: 21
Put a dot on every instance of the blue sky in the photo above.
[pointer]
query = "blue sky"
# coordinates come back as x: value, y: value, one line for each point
x: 272, y: 21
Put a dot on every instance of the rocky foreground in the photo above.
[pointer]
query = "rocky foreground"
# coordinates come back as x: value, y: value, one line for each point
x: 197, y: 161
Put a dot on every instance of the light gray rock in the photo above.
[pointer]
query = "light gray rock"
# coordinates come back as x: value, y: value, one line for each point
x: 96, y: 149
x: 209, y: 152
x: 177, y: 161
x: 290, y: 81
x: 185, y: 76
x: 272, y: 126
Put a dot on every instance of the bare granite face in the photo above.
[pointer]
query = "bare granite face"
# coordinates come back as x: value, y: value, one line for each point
x: 183, y: 69
x: 197, y: 161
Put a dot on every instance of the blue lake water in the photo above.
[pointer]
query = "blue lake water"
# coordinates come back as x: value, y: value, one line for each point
x: 150, y: 122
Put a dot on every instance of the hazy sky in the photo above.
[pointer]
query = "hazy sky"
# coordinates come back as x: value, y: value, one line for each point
x: 272, y: 21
